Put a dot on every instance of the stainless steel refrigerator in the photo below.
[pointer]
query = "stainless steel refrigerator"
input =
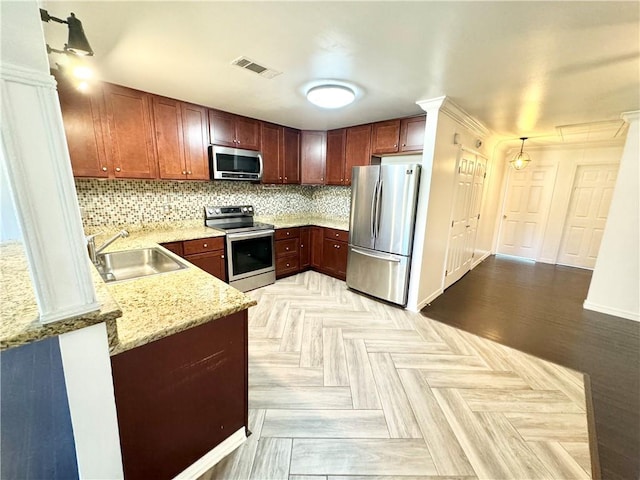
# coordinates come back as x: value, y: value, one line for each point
x: 383, y: 212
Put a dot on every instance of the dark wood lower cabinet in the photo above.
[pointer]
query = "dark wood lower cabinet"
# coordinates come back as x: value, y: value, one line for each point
x: 316, y: 235
x: 334, y: 258
x: 206, y: 253
x: 305, y: 248
x: 179, y: 397
x: 210, y: 262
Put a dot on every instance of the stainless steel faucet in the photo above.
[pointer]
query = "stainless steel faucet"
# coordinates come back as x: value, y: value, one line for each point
x: 91, y: 244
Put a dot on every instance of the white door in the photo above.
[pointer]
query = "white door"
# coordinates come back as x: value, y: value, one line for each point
x: 526, y: 210
x: 465, y: 216
x: 587, y: 215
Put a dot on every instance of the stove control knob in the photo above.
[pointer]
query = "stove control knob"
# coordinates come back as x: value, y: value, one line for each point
x: 251, y: 209
x: 217, y: 210
x: 244, y: 209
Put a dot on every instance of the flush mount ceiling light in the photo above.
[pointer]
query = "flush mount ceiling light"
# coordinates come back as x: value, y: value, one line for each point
x: 331, y: 96
x: 77, y: 43
x: 522, y: 159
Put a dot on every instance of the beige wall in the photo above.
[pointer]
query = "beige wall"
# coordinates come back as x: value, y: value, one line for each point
x: 615, y: 285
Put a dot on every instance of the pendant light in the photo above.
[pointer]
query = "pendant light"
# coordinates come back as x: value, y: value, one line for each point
x: 522, y: 159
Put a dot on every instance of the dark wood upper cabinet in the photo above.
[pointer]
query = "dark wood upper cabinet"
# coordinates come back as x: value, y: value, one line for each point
x: 196, y: 141
x: 181, y: 139
x: 130, y: 142
x: 336, y: 142
x: 272, y: 155
x: 233, y: 130
x: 82, y: 117
x: 291, y: 152
x: 280, y: 154
x: 313, y: 157
x: 167, y: 119
x: 385, y: 137
x: 357, y: 149
x: 247, y: 133
x: 412, y: 133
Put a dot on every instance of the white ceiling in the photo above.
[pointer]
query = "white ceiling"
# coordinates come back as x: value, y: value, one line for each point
x: 521, y: 68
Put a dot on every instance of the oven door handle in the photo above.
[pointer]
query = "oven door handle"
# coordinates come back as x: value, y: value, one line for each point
x: 245, y: 235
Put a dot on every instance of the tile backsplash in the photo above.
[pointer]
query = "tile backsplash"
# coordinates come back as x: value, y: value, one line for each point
x: 125, y: 202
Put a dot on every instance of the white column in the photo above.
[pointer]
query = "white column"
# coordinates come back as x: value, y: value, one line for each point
x: 92, y: 405
x: 36, y: 159
x: 615, y: 285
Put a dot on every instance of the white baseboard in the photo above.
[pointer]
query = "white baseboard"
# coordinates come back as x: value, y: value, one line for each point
x: 616, y: 312
x: 214, y: 456
x: 421, y: 304
x: 479, y: 260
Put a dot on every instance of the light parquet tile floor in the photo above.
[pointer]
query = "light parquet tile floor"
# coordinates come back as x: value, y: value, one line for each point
x: 345, y: 387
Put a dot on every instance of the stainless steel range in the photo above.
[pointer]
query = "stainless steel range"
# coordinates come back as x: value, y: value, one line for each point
x: 250, y: 249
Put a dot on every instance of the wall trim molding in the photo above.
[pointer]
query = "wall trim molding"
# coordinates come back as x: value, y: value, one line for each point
x: 631, y: 116
x: 227, y: 446
x: 616, y: 312
x: 26, y: 76
x: 455, y: 112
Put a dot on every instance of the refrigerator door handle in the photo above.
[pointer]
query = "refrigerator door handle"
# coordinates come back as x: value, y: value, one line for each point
x: 374, y: 204
x: 379, y: 256
x: 378, y: 208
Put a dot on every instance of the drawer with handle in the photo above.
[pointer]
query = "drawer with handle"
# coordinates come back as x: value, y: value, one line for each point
x: 203, y: 245
x: 285, y: 247
x: 335, y: 234
x: 284, y: 233
x: 287, y: 264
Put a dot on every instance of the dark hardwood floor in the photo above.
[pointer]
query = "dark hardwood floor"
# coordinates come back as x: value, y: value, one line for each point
x: 537, y: 308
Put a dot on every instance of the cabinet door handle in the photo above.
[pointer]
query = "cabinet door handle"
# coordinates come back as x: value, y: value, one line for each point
x: 286, y: 248
x: 288, y: 233
x: 287, y: 264
x: 301, y: 245
x: 322, y: 178
x: 222, y: 257
x: 337, y: 234
x: 117, y: 169
x: 184, y: 172
x: 279, y: 178
x: 337, y: 246
x: 104, y: 169
x: 205, y: 245
x: 188, y: 172
x: 404, y: 144
x: 395, y: 145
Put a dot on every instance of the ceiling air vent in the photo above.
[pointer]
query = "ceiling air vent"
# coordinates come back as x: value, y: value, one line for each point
x: 248, y: 64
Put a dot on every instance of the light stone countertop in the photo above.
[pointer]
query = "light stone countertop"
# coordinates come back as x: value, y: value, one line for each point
x: 19, y: 319
x: 137, y: 311
x: 291, y: 221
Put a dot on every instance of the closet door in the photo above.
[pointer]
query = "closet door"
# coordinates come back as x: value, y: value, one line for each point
x: 587, y: 215
x: 458, y: 262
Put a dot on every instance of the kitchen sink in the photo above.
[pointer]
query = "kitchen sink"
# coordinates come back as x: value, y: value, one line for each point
x: 130, y: 264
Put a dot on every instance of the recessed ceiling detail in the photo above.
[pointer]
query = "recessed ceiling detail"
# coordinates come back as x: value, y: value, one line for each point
x: 248, y: 64
x: 592, y: 131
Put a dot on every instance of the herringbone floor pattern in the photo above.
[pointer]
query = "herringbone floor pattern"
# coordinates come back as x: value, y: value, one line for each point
x: 342, y: 386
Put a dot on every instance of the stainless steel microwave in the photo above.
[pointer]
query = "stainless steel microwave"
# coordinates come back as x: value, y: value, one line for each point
x: 227, y: 163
